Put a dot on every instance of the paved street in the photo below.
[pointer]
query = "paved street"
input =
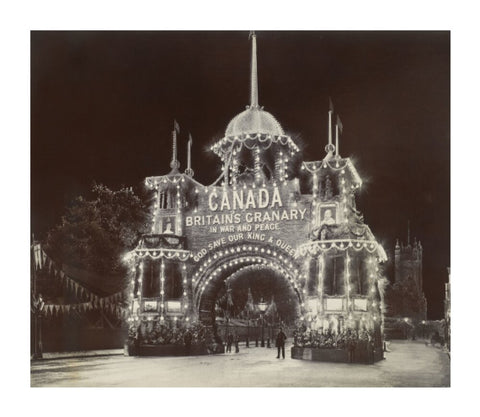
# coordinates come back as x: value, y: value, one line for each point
x: 408, y: 364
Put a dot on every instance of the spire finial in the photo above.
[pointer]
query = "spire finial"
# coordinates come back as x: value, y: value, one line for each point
x: 330, y: 148
x: 189, y: 170
x: 338, y: 131
x: 253, y: 72
x: 174, y: 164
x: 330, y: 113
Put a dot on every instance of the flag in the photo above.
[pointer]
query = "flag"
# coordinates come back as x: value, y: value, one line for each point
x: 37, y: 253
x: 330, y: 104
x: 176, y: 127
x: 229, y: 296
x: 339, y: 124
x: 190, y: 141
x: 250, y: 303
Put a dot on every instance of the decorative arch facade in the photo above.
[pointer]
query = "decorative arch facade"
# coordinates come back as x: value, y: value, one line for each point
x: 299, y: 220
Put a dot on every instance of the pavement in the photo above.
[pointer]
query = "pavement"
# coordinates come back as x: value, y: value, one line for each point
x: 80, y: 354
x: 407, y: 364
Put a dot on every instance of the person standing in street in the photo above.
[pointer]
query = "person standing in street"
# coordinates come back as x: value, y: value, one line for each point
x: 187, y: 340
x: 229, y: 342
x: 280, y: 343
x: 237, y: 341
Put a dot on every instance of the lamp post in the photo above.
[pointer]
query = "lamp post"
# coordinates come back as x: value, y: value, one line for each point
x: 227, y: 332
x: 406, y: 327
x: 38, y: 311
x: 423, y: 329
x: 262, y: 306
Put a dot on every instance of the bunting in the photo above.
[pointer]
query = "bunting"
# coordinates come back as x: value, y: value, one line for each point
x: 52, y: 310
x: 108, y: 303
x: 42, y: 260
x: 37, y: 255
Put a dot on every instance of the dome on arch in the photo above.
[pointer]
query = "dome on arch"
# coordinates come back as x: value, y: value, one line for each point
x: 254, y: 120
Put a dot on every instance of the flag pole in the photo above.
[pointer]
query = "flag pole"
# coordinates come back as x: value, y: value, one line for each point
x: 338, y: 131
x: 189, y: 170
x: 174, y: 164
x: 330, y: 112
x: 253, y: 73
x: 189, y: 152
x: 336, y: 141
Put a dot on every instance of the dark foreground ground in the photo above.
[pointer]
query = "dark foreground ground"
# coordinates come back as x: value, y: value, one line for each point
x: 407, y: 364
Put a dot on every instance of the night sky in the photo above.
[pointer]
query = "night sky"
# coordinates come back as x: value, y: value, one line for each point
x: 103, y: 105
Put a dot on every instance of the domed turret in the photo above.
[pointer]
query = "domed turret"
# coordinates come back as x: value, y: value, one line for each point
x: 254, y: 120
x: 251, y: 134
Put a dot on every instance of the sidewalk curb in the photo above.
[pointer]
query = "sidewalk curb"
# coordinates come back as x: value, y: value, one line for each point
x: 74, y: 355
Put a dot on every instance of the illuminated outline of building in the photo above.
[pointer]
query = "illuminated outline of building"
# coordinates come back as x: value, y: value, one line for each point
x: 257, y: 216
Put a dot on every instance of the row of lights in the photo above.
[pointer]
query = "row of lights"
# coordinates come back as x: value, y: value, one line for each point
x: 156, y: 254
x: 155, y: 182
x: 137, y: 294
x: 283, y: 176
x: 313, y: 167
x: 244, y: 248
x: 136, y: 318
x: 244, y: 259
x: 156, y: 206
x: 372, y: 276
x: 332, y: 318
x: 282, y: 139
x: 314, y: 246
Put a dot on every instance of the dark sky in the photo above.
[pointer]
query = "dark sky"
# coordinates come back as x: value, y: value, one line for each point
x: 103, y: 104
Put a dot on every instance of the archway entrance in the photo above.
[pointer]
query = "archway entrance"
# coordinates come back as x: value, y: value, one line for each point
x: 233, y: 284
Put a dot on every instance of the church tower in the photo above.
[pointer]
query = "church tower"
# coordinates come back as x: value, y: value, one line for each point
x: 406, y: 294
x: 408, y: 262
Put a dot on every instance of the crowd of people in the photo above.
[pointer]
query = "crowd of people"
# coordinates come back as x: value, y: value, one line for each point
x: 215, y: 344
x: 327, y: 339
x: 156, y: 333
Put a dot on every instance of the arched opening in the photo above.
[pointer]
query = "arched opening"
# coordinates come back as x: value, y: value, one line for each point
x: 229, y: 289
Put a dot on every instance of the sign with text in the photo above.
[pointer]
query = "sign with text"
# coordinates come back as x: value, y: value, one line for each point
x: 268, y: 215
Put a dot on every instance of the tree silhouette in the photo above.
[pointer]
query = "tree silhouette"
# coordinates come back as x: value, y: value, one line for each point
x: 95, y: 234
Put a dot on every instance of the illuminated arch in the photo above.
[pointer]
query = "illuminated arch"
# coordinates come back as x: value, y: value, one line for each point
x: 230, y: 260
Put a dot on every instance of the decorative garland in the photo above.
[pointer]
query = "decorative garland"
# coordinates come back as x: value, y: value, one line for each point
x: 154, y: 182
x: 315, y: 247
x: 312, y: 167
x: 261, y: 137
x: 181, y: 254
